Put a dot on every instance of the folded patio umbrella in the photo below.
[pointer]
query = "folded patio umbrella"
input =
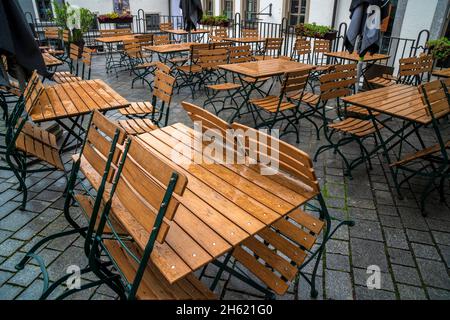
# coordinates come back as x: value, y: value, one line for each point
x: 366, y: 17
x: 17, y: 43
x: 192, y: 13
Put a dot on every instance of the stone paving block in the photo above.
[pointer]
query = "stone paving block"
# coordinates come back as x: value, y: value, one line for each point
x: 412, y: 218
x: 304, y: 289
x: 406, y: 275
x: 438, y: 225
x: 37, y: 206
x: 363, y: 214
x: 363, y: 293
x: 338, y: 262
x: 391, y: 221
x: 395, y: 238
x: 10, y: 263
x: 8, y: 195
x: 26, y: 276
x: 401, y: 257
x: 411, y: 293
x: 366, y: 230
x: 441, y: 237
x: 233, y: 295
x: 7, y: 208
x: 425, y: 251
x: 361, y: 203
x: 9, y: 292
x: 4, y: 235
x: 438, y: 294
x: 387, y: 210
x: 9, y: 246
x: 49, y: 195
x: 366, y: 253
x: 384, y: 197
x: 338, y: 285
x: 337, y: 246
x: 434, y: 273
x: 360, y: 277
x: 4, y: 276
x: 419, y: 236
x: 445, y: 252
x: 16, y: 220
x: 33, y: 291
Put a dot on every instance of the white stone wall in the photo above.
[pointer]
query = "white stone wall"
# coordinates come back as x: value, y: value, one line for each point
x: 106, y: 6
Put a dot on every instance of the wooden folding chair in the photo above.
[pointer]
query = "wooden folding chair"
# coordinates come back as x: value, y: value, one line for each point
x: 90, y: 181
x: 338, y: 82
x: 143, y: 202
x: 160, y: 40
x: 271, y: 49
x: 164, y: 26
x: 159, y: 115
x: 24, y: 140
x: 281, y: 108
x: 76, y: 73
x: 139, y: 66
x: 115, y: 32
x: 249, y: 33
x: 431, y: 162
x: 411, y: 72
x: 301, y: 51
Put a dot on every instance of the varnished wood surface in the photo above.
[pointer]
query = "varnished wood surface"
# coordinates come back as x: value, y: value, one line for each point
x: 266, y: 68
x: 50, y: 60
x: 75, y: 98
x: 246, y: 40
x: 355, y: 57
x: 444, y: 73
x: 170, y: 48
x: 223, y: 204
x: 400, y: 101
x: 118, y: 38
x: 182, y: 32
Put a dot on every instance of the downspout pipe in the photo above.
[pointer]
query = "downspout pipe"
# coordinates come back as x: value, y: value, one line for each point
x: 170, y: 8
x: 333, y: 22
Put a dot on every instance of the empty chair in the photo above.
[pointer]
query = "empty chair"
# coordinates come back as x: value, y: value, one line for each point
x: 164, y: 26
x: 301, y: 51
x: 249, y: 33
x: 140, y: 67
x: 78, y: 72
x: 159, y: 40
x: 159, y: 114
x: 271, y: 49
x: 411, y: 71
x: 115, y: 32
x: 273, y: 109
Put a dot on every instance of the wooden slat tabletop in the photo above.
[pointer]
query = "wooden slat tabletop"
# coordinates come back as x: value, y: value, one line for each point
x: 444, y: 73
x: 75, y: 98
x: 266, y: 68
x: 355, y: 57
x: 170, y: 48
x: 51, y: 61
x: 182, y: 32
x: 399, y: 101
x: 246, y: 40
x: 223, y: 205
x: 118, y: 38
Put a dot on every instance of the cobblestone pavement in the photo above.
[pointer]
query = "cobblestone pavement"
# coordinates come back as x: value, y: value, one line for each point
x: 413, y: 252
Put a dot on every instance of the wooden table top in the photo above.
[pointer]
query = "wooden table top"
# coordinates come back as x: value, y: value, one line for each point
x: 118, y: 38
x: 170, y: 48
x: 50, y: 60
x: 399, y: 101
x: 223, y: 205
x: 266, y: 68
x: 444, y: 73
x: 75, y: 98
x: 182, y: 32
x: 246, y: 40
x: 355, y: 57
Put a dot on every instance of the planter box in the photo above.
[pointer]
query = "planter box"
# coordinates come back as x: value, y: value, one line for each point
x: 116, y: 20
x: 331, y: 36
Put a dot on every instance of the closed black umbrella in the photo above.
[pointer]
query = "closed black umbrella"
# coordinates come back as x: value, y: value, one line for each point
x: 192, y: 13
x: 17, y: 43
x: 366, y: 17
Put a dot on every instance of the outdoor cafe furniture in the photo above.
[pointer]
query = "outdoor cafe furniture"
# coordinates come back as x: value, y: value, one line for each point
x: 109, y: 39
x: 301, y: 51
x: 415, y: 111
x: 271, y: 49
x: 443, y: 73
x: 140, y: 66
x: 369, y: 59
x: 411, y: 71
x: 279, y: 108
x: 337, y: 84
x: 166, y: 52
x: 77, y: 72
x: 25, y: 141
x: 145, y: 117
x: 51, y: 61
x: 191, y: 36
x: 258, y: 70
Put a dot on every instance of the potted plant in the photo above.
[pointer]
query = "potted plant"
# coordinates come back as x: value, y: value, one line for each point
x: 115, y: 18
x: 215, y: 21
x: 313, y: 30
x: 440, y: 49
x: 77, y: 20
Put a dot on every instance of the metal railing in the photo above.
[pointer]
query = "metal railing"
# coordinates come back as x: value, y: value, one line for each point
x: 396, y: 47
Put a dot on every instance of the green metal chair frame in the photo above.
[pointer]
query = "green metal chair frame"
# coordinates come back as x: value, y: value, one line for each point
x: 139, y: 66
x: 101, y: 151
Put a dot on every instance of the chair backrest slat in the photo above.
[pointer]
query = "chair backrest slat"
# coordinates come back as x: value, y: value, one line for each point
x: 338, y: 82
x: 249, y: 33
x: 164, y: 26
x: 211, y: 59
x: 240, y: 54
x: 159, y: 40
x: 435, y: 96
x: 115, y: 32
x: 208, y: 120
x: 163, y: 86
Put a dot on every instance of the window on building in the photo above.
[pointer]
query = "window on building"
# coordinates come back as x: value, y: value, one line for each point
x: 228, y: 8
x: 44, y: 10
x: 208, y: 7
x: 250, y: 9
x: 297, y: 9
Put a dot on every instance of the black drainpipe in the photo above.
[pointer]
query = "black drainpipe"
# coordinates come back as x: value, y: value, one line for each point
x: 333, y: 23
x: 170, y: 8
